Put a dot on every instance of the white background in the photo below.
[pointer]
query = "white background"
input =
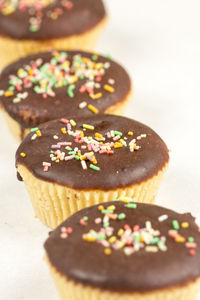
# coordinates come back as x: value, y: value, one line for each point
x: 159, y: 44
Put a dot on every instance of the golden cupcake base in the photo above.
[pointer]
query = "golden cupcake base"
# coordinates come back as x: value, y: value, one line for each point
x: 70, y: 290
x: 19, y: 133
x: 53, y: 203
x: 12, y: 49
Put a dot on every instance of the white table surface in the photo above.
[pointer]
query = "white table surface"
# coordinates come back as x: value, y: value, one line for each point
x: 159, y: 44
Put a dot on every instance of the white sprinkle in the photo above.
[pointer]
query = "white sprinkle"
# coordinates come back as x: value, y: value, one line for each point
x: 1, y: 92
x: 111, y: 81
x: 84, y: 165
x: 16, y: 100
x: 162, y: 218
x: 55, y: 137
x: 34, y: 136
x: 82, y: 104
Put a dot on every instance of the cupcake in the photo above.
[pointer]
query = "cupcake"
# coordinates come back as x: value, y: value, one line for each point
x: 72, y: 163
x: 46, y: 86
x: 125, y: 250
x: 28, y: 26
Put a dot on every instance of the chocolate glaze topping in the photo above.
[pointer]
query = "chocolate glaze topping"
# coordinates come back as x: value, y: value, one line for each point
x: 86, y: 262
x: 34, y: 109
x: 121, y: 169
x: 81, y: 17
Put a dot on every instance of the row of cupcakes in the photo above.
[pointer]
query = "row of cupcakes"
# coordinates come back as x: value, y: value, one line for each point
x: 82, y: 159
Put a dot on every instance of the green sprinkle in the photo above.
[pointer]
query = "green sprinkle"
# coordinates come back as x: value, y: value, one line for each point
x: 11, y: 88
x: 131, y: 205
x: 154, y: 240
x: 175, y: 225
x: 100, y: 237
x: 191, y: 239
x: 34, y: 129
x: 106, y: 224
x: 68, y: 148
x: 85, y: 218
x: 118, y: 133
x: 136, y: 238
x: 121, y: 216
x: 108, y: 55
x: 94, y: 167
x: 77, y: 157
x: 70, y: 90
x: 71, y: 152
x: 82, y: 77
x: 107, y: 211
x: 94, y: 57
x: 33, y: 28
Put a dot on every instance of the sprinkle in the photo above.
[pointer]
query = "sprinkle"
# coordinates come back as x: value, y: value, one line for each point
x: 38, y: 132
x: 185, y: 225
x: 8, y: 93
x: 107, y: 251
x: 84, y: 165
x: 64, y: 235
x: 131, y: 205
x: 82, y: 104
x: 87, y: 126
x: 93, y: 109
x: 96, y: 96
x: 175, y: 225
x: 95, y: 168
x: 190, y: 245
x: 162, y: 218
x: 191, y: 239
x: 70, y: 91
x: 192, y: 252
x: 109, y: 88
x: 180, y: 239
x: 111, y: 81
x: 100, y: 207
x: 85, y: 218
x: 97, y: 220
x: 55, y: 137
x: 130, y: 133
x: 64, y: 121
x: 72, y: 122
x: 34, y: 129
x: 118, y: 133
x: 23, y: 154
x: 121, y: 216
x: 153, y: 249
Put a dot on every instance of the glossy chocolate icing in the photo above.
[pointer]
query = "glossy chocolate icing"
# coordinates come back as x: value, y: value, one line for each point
x: 84, y: 15
x: 121, y: 169
x: 35, y: 110
x: 142, y: 271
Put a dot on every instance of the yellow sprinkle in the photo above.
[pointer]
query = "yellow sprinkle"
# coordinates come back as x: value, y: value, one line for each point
x: 100, y: 207
x: 87, y: 126
x: 107, y: 251
x: 125, y: 199
x: 151, y: 249
x: 120, y: 232
x: 99, y: 66
x: 72, y: 122
x: 130, y: 133
x: 23, y: 154
x: 180, y: 239
x: 96, y: 96
x: 112, y: 239
x: 111, y: 207
x: 109, y: 88
x: 93, y: 109
x: 63, y: 130
x: 118, y: 145
x: 94, y: 161
x: 88, y: 238
x: 185, y: 225
x: 39, y: 133
x: 98, y: 135
x: 8, y: 93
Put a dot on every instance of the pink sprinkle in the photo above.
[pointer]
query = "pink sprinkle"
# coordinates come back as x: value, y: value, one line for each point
x: 136, y: 228
x: 190, y: 245
x: 192, y: 252
x: 82, y: 222
x: 97, y: 220
x: 46, y: 164
x: 55, y: 146
x: 65, y: 143
x: 126, y: 227
x: 69, y: 157
x: 63, y: 229
x: 46, y: 168
x: 110, y: 152
x: 63, y: 235
x: 69, y: 230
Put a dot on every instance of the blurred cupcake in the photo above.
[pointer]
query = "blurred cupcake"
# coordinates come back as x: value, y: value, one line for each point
x: 46, y: 86
x: 72, y: 163
x: 28, y: 26
x: 125, y: 250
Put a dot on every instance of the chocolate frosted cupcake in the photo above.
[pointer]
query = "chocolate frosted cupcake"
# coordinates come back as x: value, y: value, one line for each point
x: 46, y: 86
x: 70, y: 164
x: 28, y: 26
x: 126, y: 250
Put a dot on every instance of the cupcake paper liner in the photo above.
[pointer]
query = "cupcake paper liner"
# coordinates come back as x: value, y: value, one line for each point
x: 70, y: 290
x: 11, y: 49
x: 53, y: 203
